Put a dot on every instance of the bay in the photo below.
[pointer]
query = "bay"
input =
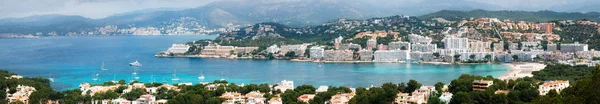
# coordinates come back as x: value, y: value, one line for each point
x: 73, y: 60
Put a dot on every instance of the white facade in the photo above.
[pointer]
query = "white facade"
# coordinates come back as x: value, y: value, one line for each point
x: 285, y: 85
x: 553, y: 85
x: 575, y: 47
x: 316, y: 52
x: 456, y: 43
x: 418, y: 39
x: 298, y: 49
x: 479, y: 56
x: 273, y: 49
x: 424, y: 47
x: 391, y: 55
x: 371, y: 43
x: 479, y: 46
x: 179, y: 48
x: 399, y: 45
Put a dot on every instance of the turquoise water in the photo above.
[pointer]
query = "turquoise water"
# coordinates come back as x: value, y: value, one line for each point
x: 73, y: 60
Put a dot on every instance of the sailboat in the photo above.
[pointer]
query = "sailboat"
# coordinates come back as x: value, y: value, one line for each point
x: 114, y: 81
x: 102, y: 68
x: 50, y: 78
x: 222, y: 78
x: 175, y: 78
x: 201, y: 76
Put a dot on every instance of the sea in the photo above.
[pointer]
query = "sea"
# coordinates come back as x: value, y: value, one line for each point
x: 71, y: 61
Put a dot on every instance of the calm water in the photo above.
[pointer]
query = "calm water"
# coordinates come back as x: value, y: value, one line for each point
x: 72, y: 60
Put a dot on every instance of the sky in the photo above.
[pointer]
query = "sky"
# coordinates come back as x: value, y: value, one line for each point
x: 103, y: 8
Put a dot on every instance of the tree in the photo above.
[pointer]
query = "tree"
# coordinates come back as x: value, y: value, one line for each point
x: 472, y: 57
x: 456, y: 57
x: 438, y: 87
x: 488, y: 57
x: 434, y: 100
x: 461, y: 98
x: 290, y: 54
x: 436, y: 54
x: 187, y: 99
x: 305, y: 89
x: 515, y: 58
x: 134, y: 94
x: 412, y: 86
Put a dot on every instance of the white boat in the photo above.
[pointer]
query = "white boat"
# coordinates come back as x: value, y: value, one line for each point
x: 135, y: 64
x: 201, y: 77
x: 222, y: 78
x: 102, y: 68
x: 114, y: 81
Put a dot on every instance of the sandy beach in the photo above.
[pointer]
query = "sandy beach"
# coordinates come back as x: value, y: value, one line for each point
x: 520, y: 70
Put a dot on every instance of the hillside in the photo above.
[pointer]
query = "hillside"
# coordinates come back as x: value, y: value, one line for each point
x: 513, y: 15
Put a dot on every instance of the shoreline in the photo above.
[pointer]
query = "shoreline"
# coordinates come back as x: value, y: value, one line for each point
x: 317, y: 61
x: 520, y: 70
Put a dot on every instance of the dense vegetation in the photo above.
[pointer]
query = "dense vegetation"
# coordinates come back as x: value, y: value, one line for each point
x: 581, y: 33
x: 541, y: 16
x: 563, y: 72
x: 583, y: 90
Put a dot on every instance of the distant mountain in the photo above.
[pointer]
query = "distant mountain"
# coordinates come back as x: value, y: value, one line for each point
x: 43, y: 20
x: 454, y: 15
x: 291, y: 13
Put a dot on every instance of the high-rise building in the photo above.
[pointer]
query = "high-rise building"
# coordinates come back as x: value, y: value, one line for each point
x: 337, y: 42
x: 338, y: 55
x: 575, y: 47
x: 456, y: 43
x: 371, y: 43
x: 424, y: 47
x: 414, y: 38
x: 479, y: 46
x: 391, y: 55
x: 316, y: 52
x: 365, y: 55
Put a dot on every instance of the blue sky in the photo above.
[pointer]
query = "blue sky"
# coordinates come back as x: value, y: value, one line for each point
x: 104, y: 8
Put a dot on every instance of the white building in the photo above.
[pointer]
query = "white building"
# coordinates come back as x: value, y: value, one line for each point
x: 322, y: 89
x: 418, y: 39
x: 451, y: 52
x: 479, y: 46
x: 273, y: 49
x: 557, y: 85
x: 371, y: 43
x: 456, y: 43
x: 338, y: 55
x: 146, y: 99
x: 399, y: 46
x: 446, y: 97
x: 531, y: 46
x: 316, y: 52
x: 391, y: 55
x: 424, y: 47
x: 298, y: 49
x: 179, y: 49
x: 575, y: 47
x: 285, y: 85
x: 477, y: 56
